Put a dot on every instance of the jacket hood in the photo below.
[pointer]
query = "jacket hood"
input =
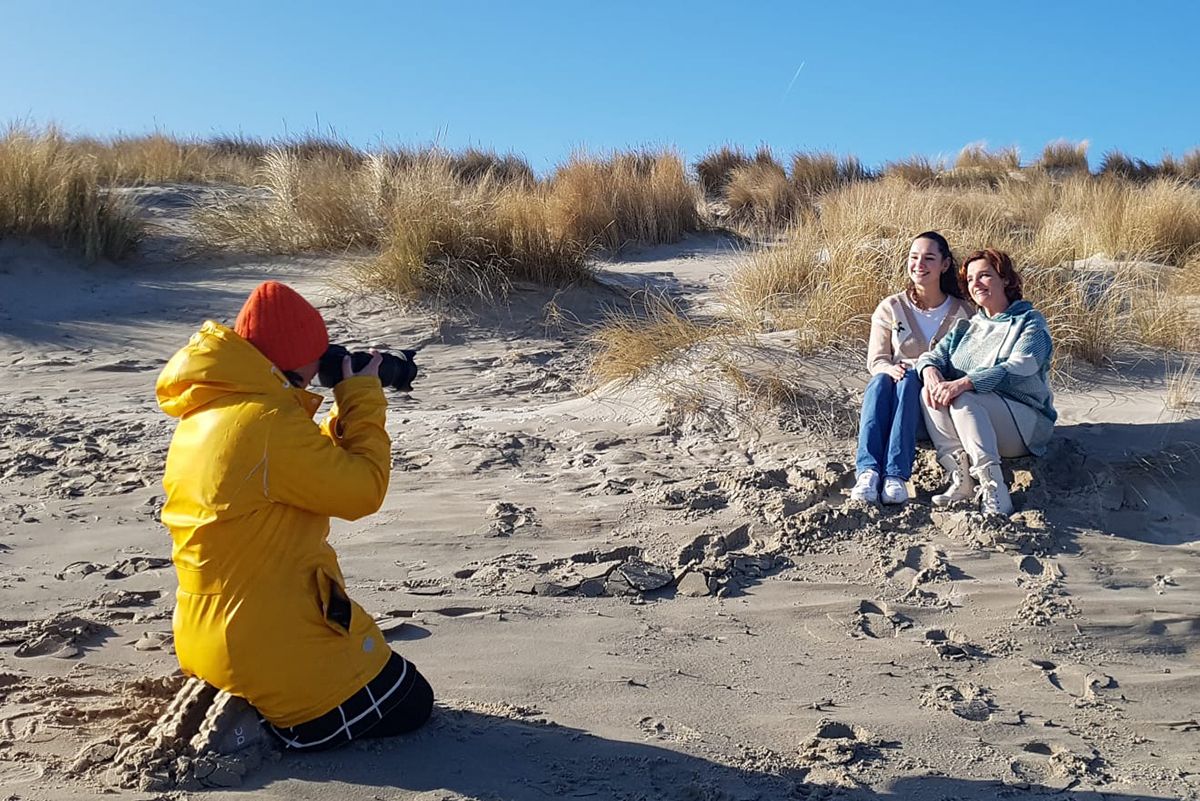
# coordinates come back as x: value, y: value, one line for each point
x: 214, y: 364
x: 1014, y: 310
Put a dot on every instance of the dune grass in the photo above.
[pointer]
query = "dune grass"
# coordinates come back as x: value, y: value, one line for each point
x: 649, y: 334
x: 816, y: 172
x: 714, y: 169
x: 1189, y: 165
x: 1116, y: 164
x: 638, y: 197
x: 458, y: 223
x: 825, y: 278
x: 917, y: 171
x: 306, y: 205
x: 473, y: 166
x: 760, y: 194
x: 449, y: 240
x: 431, y: 220
x: 976, y: 164
x: 52, y: 192
x: 1065, y: 157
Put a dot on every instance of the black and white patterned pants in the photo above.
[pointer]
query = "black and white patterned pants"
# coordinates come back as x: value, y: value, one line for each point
x: 396, y: 701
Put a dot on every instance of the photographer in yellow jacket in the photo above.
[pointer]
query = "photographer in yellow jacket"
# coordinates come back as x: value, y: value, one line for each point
x: 251, y: 482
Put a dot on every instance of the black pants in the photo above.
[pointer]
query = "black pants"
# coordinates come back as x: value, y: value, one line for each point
x: 396, y: 701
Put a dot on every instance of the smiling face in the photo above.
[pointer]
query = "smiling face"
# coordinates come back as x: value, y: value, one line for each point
x: 926, y: 264
x: 986, y: 287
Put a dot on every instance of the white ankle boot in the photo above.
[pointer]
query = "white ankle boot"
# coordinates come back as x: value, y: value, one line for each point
x: 993, y: 492
x: 962, y: 486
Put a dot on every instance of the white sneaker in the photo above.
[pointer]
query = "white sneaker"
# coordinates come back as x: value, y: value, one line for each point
x: 962, y: 486
x: 866, y: 487
x: 993, y: 492
x: 894, y: 490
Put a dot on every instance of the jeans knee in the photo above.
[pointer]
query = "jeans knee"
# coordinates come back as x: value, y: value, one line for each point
x: 879, y: 382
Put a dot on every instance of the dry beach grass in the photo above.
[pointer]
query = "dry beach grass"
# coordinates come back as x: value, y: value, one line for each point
x: 432, y: 222
x: 49, y: 191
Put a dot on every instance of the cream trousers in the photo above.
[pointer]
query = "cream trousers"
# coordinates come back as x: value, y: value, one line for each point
x: 977, y: 422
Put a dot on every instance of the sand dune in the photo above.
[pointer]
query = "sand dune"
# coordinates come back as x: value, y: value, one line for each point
x: 653, y: 590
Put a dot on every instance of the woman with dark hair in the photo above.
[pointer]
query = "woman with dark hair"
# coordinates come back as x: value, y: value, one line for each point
x: 986, y: 393
x: 904, y: 326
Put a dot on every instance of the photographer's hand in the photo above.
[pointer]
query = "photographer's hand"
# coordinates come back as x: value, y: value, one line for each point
x: 370, y: 368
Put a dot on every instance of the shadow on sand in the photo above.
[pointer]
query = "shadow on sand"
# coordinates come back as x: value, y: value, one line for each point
x: 1131, y: 480
x: 467, y: 754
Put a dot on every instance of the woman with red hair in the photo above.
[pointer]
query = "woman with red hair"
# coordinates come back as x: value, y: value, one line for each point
x: 986, y: 394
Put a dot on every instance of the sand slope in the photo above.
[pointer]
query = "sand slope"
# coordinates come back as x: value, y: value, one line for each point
x: 650, y: 591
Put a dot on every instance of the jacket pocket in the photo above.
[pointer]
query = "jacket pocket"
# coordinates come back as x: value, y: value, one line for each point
x: 336, y: 609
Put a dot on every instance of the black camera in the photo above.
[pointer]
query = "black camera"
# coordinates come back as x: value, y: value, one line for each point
x: 396, y: 370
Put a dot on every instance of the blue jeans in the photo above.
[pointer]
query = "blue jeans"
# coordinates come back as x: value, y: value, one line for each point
x: 890, y: 424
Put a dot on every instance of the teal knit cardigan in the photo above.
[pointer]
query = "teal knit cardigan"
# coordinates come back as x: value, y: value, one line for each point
x: 1008, y: 354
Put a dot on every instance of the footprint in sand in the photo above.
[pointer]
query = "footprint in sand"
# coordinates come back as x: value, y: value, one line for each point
x: 667, y: 729
x: 1084, y: 683
x: 967, y: 701
x: 60, y: 636
x: 952, y: 646
x: 876, y: 621
x: 1031, y: 566
x: 922, y: 564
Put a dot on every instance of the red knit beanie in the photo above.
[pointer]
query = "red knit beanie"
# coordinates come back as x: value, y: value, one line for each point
x: 282, y: 325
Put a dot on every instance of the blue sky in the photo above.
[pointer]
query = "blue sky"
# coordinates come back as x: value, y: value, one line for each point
x: 877, y: 79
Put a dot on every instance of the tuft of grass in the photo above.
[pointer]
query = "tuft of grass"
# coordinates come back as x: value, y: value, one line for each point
x: 1183, y: 385
x: 450, y: 240
x: 240, y: 146
x: 472, y: 166
x: 975, y: 163
x: 451, y: 224
x: 325, y: 148
x: 1116, y: 164
x: 766, y: 157
x: 160, y: 158
x: 760, y: 194
x: 822, y: 282
x: 1062, y: 156
x: 916, y: 171
x: 1189, y: 165
x: 815, y: 173
x: 1088, y: 314
x: 50, y: 191
x: 1169, y: 167
x: 652, y: 333
x: 308, y: 203
x: 639, y: 197
x: 1155, y: 221
x: 716, y: 168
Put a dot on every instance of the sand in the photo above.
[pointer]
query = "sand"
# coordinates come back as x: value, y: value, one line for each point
x: 651, y: 591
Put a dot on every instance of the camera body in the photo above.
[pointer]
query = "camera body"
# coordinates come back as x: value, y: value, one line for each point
x: 397, y: 370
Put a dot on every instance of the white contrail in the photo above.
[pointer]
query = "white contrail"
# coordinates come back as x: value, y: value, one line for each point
x: 793, y: 81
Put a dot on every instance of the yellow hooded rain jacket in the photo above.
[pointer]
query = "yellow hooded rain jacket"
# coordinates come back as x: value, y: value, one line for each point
x: 251, y: 482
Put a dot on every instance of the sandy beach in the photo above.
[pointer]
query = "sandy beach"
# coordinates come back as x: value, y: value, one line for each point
x: 640, y: 591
